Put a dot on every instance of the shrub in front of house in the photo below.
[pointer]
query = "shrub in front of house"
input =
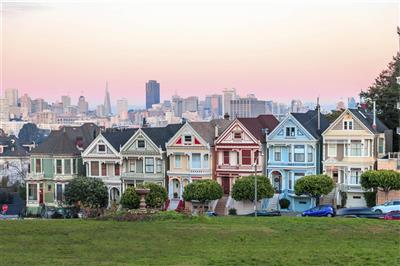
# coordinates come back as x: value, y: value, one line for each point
x: 130, y: 199
x: 232, y: 211
x: 370, y: 198
x: 284, y: 203
x: 156, y: 197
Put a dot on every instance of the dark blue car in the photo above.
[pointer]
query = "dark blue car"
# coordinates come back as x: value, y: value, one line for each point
x: 321, y: 210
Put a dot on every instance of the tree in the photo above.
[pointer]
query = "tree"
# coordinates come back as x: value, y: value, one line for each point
x: 130, y: 199
x: 383, y: 180
x: 314, y: 186
x: 333, y: 115
x: 243, y: 189
x: 157, y: 195
x: 86, y: 191
x: 203, y: 191
x: 386, y: 92
x: 31, y: 133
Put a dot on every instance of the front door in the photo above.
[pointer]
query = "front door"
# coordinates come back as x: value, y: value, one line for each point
x: 225, y: 185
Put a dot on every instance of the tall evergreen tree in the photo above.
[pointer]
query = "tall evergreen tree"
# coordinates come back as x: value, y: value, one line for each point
x: 386, y: 92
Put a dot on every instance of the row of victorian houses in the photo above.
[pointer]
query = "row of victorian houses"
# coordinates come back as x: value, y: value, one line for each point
x: 224, y: 150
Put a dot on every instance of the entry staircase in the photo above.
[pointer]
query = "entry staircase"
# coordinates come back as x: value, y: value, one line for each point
x: 220, y: 208
x: 329, y: 199
x: 273, y: 203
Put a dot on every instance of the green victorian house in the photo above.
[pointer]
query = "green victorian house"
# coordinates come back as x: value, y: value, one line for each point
x: 54, y: 163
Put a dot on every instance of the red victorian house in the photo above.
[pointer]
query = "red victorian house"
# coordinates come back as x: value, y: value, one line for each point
x: 239, y: 147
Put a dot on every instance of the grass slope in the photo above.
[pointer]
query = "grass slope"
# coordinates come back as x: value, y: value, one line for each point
x: 207, y: 241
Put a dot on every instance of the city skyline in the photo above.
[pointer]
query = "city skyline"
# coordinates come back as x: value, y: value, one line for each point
x: 308, y: 48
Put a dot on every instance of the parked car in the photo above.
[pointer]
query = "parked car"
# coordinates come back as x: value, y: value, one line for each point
x: 388, y: 206
x: 321, y: 210
x: 358, y: 213
x: 265, y: 213
x: 393, y: 215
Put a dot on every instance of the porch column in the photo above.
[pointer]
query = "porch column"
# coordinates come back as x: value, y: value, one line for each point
x: 154, y: 165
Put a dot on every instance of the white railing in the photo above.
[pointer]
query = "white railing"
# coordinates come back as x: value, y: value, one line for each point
x: 350, y: 187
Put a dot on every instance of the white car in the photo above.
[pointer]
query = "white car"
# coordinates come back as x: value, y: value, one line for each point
x: 388, y: 206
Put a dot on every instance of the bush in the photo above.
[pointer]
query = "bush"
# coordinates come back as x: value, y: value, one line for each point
x: 314, y: 186
x: 284, y: 203
x: 86, y: 191
x: 243, y: 189
x: 370, y: 198
x: 5, y: 197
x: 130, y: 199
x: 232, y: 211
x: 157, y: 196
x: 343, y: 196
x: 203, y: 191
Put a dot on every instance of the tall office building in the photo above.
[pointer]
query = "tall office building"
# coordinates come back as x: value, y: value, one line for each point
x: 4, y: 109
x: 229, y: 95
x: 247, y: 107
x: 12, y: 97
x: 213, y: 105
x: 66, y: 101
x: 177, y: 105
x: 38, y: 105
x: 351, y: 103
x: 191, y: 104
x: 122, y: 107
x: 26, y: 106
x: 152, y: 93
x: 107, y: 102
x: 83, y: 105
x: 296, y: 106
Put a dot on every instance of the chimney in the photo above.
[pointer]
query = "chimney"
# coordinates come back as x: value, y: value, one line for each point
x: 216, y: 131
x: 374, y: 115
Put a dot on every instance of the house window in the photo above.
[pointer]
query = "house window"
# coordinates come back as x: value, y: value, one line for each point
x: 74, y: 166
x: 226, y: 157
x: 348, y: 124
x: 38, y: 165
x: 101, y: 148
x: 355, y: 148
x: 277, y: 154
x: 237, y: 135
x: 48, y: 188
x: 332, y: 150
x: 32, y: 191
x: 103, y: 169
x: 94, y: 168
x: 246, y: 157
x: 178, y: 161
x: 205, y: 161
x: 381, y: 146
x: 139, y: 166
x: 132, y: 166
x: 59, y: 192
x: 58, y: 166
x: 196, y: 160
x: 149, y: 165
x: 116, y: 169
x: 355, y: 175
x: 290, y: 181
x: 299, y: 153
x: 310, y: 153
x: 290, y: 131
x: 159, y: 166
x: 67, y: 166
x: 188, y: 140
x: 141, y: 144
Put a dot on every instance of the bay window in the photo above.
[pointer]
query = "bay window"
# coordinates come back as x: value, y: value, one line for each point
x: 67, y: 166
x: 32, y: 191
x: 277, y: 154
x: 103, y: 169
x: 149, y: 165
x: 355, y: 174
x: 332, y: 150
x: 38, y: 165
x: 178, y: 161
x: 299, y: 153
x: 355, y: 148
x: 246, y: 157
x: 94, y: 168
x: 58, y: 166
x: 116, y: 169
x: 159, y: 166
x: 226, y: 157
x: 310, y: 153
x: 196, y: 160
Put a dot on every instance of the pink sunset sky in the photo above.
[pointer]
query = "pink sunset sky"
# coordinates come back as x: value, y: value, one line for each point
x: 278, y: 50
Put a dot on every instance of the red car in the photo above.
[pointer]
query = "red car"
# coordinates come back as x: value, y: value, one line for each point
x: 393, y: 215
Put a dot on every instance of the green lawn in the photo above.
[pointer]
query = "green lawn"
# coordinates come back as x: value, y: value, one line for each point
x: 210, y: 241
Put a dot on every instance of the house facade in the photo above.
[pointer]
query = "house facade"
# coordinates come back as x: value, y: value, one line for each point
x: 294, y: 151
x: 54, y: 163
x: 351, y: 145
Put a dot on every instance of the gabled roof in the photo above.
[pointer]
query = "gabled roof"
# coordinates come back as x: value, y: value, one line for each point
x: 117, y: 138
x: 12, y: 147
x: 257, y: 124
x: 206, y: 130
x: 309, y: 121
x: 65, y: 140
x: 161, y: 135
x: 367, y: 119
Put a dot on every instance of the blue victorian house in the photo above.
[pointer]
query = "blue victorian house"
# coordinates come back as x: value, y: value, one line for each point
x: 294, y: 151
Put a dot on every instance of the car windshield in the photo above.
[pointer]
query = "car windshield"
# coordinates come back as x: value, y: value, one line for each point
x: 387, y: 203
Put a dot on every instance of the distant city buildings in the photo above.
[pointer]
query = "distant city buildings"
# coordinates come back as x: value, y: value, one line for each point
x: 107, y: 103
x: 152, y: 93
x: 248, y: 106
x: 351, y: 103
x: 340, y: 106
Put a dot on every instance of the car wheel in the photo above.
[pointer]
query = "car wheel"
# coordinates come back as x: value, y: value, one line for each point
x: 329, y: 215
x: 378, y: 211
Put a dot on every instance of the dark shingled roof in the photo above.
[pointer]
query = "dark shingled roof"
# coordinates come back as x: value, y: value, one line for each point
x: 367, y: 119
x: 117, y: 138
x: 12, y: 147
x: 65, y: 140
x: 159, y: 135
x: 309, y: 121
x: 257, y: 124
x: 207, y: 129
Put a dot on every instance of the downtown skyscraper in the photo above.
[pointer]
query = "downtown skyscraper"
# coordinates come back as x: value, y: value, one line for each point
x: 152, y: 93
x: 107, y: 102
